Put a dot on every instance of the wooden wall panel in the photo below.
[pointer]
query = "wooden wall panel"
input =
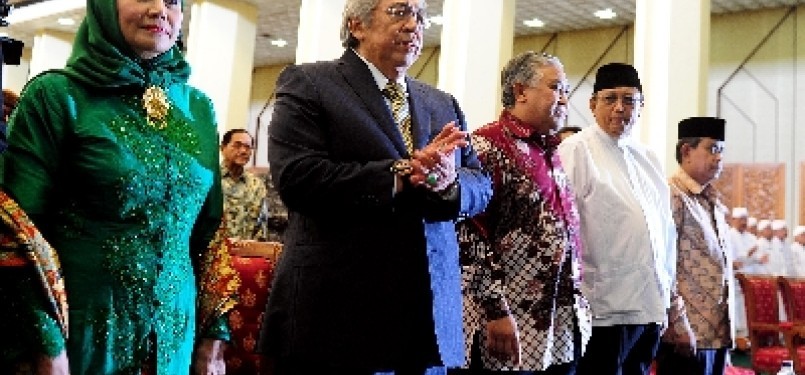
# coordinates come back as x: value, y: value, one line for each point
x: 730, y: 185
x: 764, y: 189
x: 760, y: 187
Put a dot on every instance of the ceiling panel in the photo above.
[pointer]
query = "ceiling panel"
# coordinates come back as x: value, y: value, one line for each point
x: 280, y: 19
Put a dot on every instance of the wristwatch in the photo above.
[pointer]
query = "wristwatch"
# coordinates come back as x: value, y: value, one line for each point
x: 402, y: 168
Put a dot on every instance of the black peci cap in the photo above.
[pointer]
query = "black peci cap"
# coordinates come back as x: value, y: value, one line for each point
x: 614, y: 75
x: 695, y: 127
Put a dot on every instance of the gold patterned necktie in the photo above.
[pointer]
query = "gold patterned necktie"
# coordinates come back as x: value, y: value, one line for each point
x: 399, y: 108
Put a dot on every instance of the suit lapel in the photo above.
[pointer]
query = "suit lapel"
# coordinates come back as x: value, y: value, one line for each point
x: 357, y: 75
x: 420, y: 116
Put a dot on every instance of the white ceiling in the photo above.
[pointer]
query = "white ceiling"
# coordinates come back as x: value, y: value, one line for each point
x: 280, y: 19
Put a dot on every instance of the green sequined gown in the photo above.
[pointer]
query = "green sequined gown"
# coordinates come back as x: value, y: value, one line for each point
x: 125, y: 204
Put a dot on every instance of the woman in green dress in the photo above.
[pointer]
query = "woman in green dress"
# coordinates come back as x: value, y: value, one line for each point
x: 115, y: 160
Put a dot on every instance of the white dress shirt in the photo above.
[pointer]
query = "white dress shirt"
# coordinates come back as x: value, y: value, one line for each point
x: 783, y: 260
x: 627, y: 229
x: 742, y: 243
x: 764, y: 249
x: 798, y: 255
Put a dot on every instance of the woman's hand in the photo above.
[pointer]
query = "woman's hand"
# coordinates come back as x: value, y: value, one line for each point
x: 209, y: 358
x: 58, y: 365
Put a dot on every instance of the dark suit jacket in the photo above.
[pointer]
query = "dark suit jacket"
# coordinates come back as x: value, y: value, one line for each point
x: 366, y: 280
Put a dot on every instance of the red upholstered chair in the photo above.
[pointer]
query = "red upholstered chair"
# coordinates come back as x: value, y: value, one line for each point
x: 794, y: 300
x: 255, y: 263
x: 770, y: 338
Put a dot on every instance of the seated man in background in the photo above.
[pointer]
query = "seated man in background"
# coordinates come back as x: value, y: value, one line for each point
x: 243, y: 191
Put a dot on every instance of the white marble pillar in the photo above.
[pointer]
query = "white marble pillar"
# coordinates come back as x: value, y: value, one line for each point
x: 220, y: 50
x: 672, y: 56
x: 319, y: 34
x: 50, y: 50
x: 477, y: 39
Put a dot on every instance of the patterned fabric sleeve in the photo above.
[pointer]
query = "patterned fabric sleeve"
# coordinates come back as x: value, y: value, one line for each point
x: 218, y: 283
x: 483, y: 287
x: 677, y: 314
x: 487, y: 287
x: 34, y: 308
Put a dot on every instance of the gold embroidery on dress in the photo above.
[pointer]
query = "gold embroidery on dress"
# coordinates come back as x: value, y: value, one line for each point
x: 156, y: 106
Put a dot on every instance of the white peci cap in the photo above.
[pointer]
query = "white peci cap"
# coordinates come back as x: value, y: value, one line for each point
x: 763, y: 224
x: 751, y: 222
x: 739, y: 212
x: 800, y: 229
x: 778, y: 224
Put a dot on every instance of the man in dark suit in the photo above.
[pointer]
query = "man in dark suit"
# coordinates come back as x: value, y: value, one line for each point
x: 369, y: 280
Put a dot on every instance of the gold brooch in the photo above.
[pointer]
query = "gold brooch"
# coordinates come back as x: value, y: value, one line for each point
x: 156, y: 106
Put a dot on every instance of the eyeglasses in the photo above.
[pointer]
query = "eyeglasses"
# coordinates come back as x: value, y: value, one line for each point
x: 402, y: 12
x: 716, y: 148
x: 561, y: 88
x: 240, y: 145
x: 626, y: 100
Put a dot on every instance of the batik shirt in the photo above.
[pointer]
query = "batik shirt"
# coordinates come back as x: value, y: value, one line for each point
x: 703, y: 292
x: 243, y: 199
x: 521, y: 257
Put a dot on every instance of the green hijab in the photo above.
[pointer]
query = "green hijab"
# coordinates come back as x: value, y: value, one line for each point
x: 101, y: 57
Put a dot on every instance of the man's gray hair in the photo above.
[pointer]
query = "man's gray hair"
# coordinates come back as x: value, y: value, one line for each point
x: 362, y: 11
x: 523, y: 69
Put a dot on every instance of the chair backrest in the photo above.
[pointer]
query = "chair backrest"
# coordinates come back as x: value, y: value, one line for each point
x: 761, y: 294
x: 794, y: 298
x: 255, y: 264
x: 762, y: 307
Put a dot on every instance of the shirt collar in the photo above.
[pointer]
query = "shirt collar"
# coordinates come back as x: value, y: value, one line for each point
x: 225, y: 173
x: 520, y: 130
x: 620, y: 142
x: 380, y: 79
x: 690, y: 186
